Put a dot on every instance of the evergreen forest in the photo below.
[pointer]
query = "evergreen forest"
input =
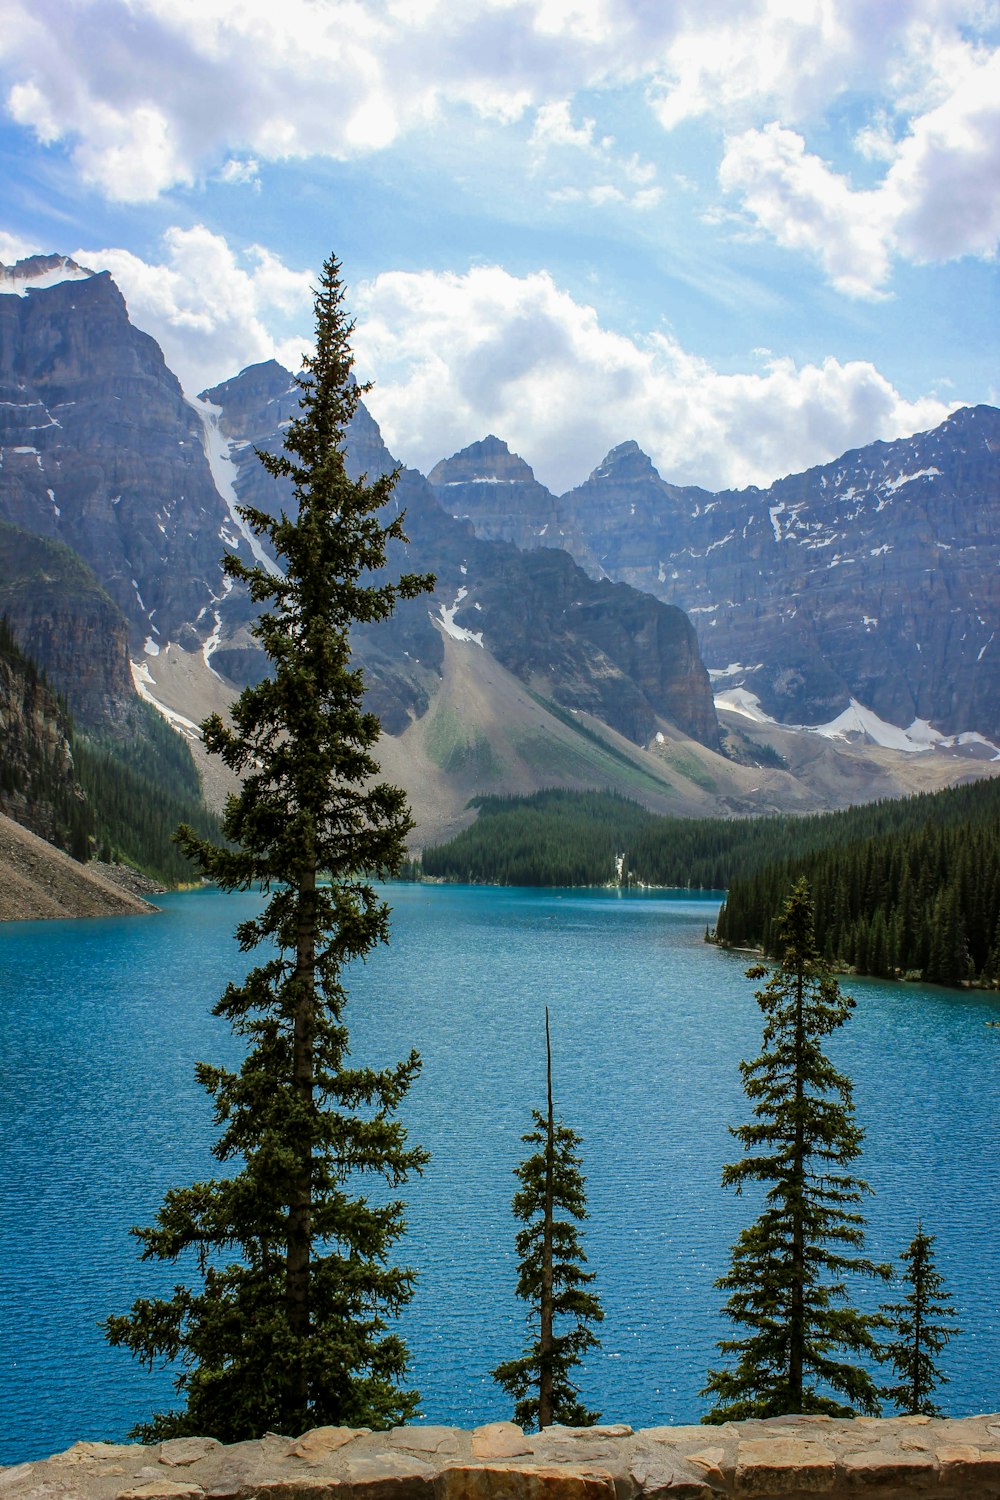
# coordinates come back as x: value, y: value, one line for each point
x: 901, y: 886
x: 919, y: 899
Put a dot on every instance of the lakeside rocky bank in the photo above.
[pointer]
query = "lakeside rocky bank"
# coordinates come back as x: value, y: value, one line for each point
x: 791, y: 1457
x: 38, y: 881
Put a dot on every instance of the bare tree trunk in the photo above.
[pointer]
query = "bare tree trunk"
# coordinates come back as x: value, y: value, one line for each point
x: 545, y: 1336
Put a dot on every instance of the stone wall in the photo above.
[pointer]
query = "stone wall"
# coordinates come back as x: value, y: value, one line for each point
x: 791, y: 1457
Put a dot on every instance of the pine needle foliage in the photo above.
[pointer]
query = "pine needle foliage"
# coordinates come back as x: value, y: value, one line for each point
x: 288, y: 1328
x: 920, y: 1326
x: 551, y: 1202
x: 787, y: 1281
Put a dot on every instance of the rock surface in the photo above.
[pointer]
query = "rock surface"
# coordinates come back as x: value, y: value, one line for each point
x: 40, y: 882
x: 589, y: 645
x: 100, y: 449
x: 789, y: 1457
x: 67, y: 624
x: 874, y: 577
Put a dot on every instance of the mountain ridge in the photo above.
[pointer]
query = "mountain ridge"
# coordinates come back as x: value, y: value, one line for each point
x: 755, y: 570
x: 602, y: 684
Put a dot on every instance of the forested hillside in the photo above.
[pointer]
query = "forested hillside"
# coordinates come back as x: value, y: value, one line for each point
x: 923, y: 896
x: 574, y: 838
x: 38, y: 783
x: 140, y: 789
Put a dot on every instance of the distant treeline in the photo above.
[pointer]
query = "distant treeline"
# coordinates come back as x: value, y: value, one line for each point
x: 551, y: 838
x: 911, y: 884
x: 922, y: 897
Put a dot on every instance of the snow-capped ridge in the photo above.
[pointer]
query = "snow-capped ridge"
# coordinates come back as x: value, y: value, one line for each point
x: 858, y: 722
x: 37, y: 272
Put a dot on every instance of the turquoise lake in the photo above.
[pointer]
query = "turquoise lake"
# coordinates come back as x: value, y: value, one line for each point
x: 102, y: 1021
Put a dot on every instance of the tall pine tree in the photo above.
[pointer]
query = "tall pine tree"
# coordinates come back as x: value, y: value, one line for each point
x: 288, y: 1327
x: 551, y: 1202
x: 787, y: 1283
x: 920, y: 1329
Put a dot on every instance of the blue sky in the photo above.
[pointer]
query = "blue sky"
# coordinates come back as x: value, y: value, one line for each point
x: 750, y: 234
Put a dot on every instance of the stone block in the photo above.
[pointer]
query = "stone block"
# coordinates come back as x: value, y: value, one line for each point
x: 498, y: 1440
x: 14, y: 1475
x: 667, y: 1475
x: 178, y: 1453
x: 90, y: 1453
x: 163, y: 1489
x: 966, y: 1470
x: 888, y: 1471
x: 784, y: 1466
x: 389, y: 1476
x: 317, y: 1444
x: 525, y: 1482
x: 425, y: 1439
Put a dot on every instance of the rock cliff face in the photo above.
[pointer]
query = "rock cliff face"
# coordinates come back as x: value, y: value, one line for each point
x: 37, y: 775
x: 595, y: 646
x: 497, y: 491
x: 875, y: 577
x: 99, y: 448
x: 67, y: 624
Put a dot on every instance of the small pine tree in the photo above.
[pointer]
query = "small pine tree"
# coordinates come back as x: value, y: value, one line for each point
x: 552, y: 1279
x: 787, y: 1279
x: 288, y: 1329
x: 919, y: 1332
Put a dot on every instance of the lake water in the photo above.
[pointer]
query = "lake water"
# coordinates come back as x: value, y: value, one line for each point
x: 102, y: 1021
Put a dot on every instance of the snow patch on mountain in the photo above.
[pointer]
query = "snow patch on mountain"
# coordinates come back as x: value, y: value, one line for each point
x: 144, y: 685
x: 858, y: 722
x: 224, y: 476
x: 897, y: 484
x: 38, y: 272
x: 446, y: 619
x: 742, y: 701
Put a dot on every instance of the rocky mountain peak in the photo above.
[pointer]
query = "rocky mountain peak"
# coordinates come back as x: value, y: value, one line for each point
x: 497, y: 491
x: 102, y: 451
x: 489, y: 461
x: 36, y: 272
x: 626, y: 462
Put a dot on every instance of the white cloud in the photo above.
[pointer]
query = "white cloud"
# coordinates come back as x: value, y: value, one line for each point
x: 802, y: 204
x: 13, y: 247
x: 237, y: 173
x: 181, y: 90
x: 937, y: 201
x: 556, y: 142
x: 455, y: 357
x: 943, y: 183
x: 209, y: 309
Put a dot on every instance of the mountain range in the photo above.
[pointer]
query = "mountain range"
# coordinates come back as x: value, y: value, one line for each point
x: 566, y: 640
x: 874, y: 577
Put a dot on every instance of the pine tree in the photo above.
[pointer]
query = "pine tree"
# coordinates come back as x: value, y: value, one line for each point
x: 786, y: 1284
x: 919, y: 1332
x: 293, y: 1332
x: 552, y: 1278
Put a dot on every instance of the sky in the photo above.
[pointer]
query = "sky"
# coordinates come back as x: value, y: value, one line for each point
x: 748, y: 234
